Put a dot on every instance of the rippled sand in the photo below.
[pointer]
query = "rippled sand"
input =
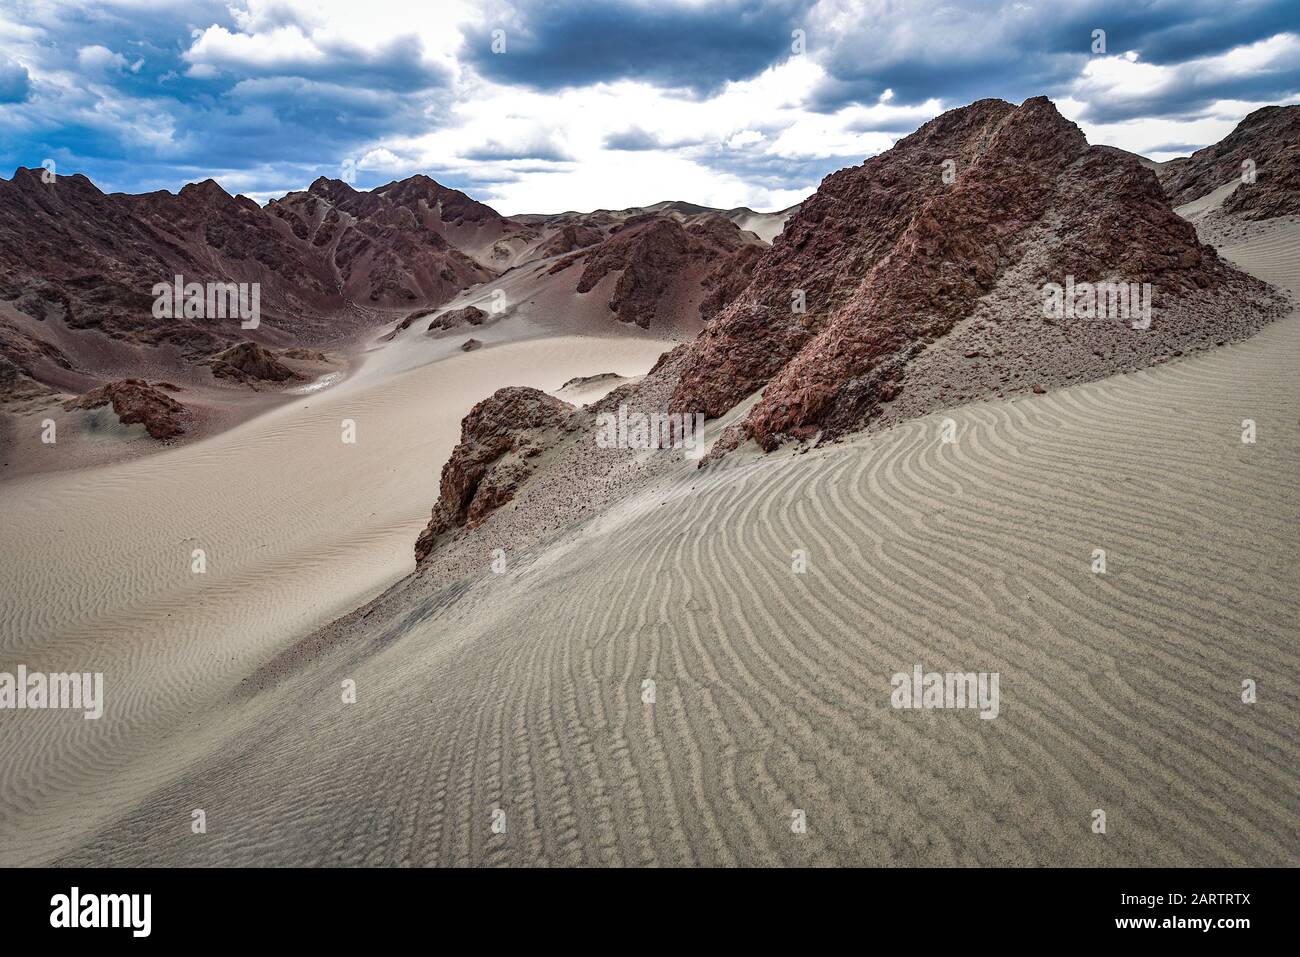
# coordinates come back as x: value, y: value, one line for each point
x: 523, y: 692
x: 297, y: 528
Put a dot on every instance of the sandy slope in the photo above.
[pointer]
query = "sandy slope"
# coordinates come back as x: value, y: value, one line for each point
x: 523, y: 691
x: 298, y: 528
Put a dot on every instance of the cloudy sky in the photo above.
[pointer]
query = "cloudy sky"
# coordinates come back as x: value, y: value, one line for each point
x: 547, y: 105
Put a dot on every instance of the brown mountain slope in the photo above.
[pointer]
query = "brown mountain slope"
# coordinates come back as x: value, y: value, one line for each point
x: 396, y: 244
x: 653, y: 257
x: 78, y: 268
x: 917, y: 285
x: 657, y: 271
x: 89, y: 260
x: 1268, y: 138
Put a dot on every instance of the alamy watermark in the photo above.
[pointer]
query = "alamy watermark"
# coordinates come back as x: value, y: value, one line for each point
x: 1129, y: 301
x: 654, y: 430
x: 953, y: 689
x: 38, y: 690
x: 213, y: 300
x: 75, y: 909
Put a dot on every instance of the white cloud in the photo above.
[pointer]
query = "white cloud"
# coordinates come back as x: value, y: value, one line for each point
x: 97, y: 59
x: 1163, y: 139
x: 384, y: 161
x: 745, y: 138
x: 1126, y: 77
x: 753, y: 142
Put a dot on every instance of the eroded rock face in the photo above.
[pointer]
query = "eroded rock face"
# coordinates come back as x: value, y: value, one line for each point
x: 1275, y: 191
x: 500, y: 441
x: 729, y: 278
x: 656, y: 259
x: 249, y: 361
x: 1267, y: 136
x: 137, y: 402
x: 397, y: 243
x: 889, y: 256
x: 468, y: 316
x: 22, y: 355
x: 826, y: 250
x: 569, y: 237
x: 582, y: 380
x: 90, y: 261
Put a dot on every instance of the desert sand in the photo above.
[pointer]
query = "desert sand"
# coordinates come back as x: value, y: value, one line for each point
x: 523, y: 691
x: 297, y: 528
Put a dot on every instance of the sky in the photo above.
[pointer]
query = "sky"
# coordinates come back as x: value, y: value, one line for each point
x: 551, y: 105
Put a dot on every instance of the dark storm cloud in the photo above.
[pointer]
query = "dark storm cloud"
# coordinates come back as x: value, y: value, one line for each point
x: 193, y: 108
x: 14, y: 81
x: 963, y: 52
x: 564, y: 43
x: 632, y: 140
x: 397, y: 66
x: 175, y: 99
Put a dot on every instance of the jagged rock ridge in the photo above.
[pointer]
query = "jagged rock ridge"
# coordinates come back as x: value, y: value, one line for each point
x: 1269, y: 139
x: 888, y: 257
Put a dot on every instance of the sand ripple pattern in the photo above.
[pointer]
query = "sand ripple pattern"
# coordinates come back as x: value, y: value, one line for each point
x: 523, y: 692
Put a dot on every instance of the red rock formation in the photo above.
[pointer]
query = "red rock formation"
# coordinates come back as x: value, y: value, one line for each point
x: 729, y: 278
x: 567, y: 238
x: 1275, y: 191
x: 890, y: 257
x: 657, y: 259
x: 500, y: 441
x: 69, y: 251
x: 397, y: 243
x: 468, y: 316
x: 1269, y: 134
x: 137, y: 402
x: 851, y: 223
x: 582, y: 380
x: 90, y: 260
x: 248, y: 361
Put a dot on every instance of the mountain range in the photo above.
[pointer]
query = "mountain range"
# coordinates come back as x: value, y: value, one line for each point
x: 886, y: 292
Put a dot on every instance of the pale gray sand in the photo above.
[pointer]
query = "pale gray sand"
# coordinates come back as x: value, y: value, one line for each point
x: 296, y: 528
x: 523, y: 691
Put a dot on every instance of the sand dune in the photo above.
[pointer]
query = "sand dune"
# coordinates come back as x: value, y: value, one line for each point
x: 298, y: 528
x: 523, y: 691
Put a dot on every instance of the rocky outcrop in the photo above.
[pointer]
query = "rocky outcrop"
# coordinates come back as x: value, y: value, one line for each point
x: 569, y: 237
x: 249, y: 361
x: 469, y: 345
x: 582, y: 380
x: 1275, y: 191
x: 500, y: 442
x: 454, y: 318
x: 826, y: 251
x: 451, y: 319
x: 888, y: 257
x: 729, y: 278
x: 1266, y: 137
x: 658, y: 260
x: 22, y: 356
x: 137, y: 402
